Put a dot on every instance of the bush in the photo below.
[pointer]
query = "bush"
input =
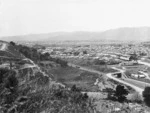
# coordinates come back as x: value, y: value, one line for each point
x: 61, y: 62
x: 99, y: 62
x: 2, y: 74
x: 75, y: 89
x: 8, y: 88
x: 128, y: 74
x: 11, y: 80
x: 41, y: 79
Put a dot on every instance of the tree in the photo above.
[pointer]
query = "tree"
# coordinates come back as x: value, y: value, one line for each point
x: 84, y: 52
x: 146, y: 95
x: 133, y: 57
x: 12, y: 43
x: 75, y: 89
x: 121, y: 93
x: 76, y: 53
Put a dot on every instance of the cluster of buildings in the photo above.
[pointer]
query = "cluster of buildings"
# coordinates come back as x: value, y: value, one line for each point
x: 124, y: 52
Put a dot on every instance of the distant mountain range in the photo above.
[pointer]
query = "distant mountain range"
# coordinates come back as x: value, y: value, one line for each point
x: 120, y: 34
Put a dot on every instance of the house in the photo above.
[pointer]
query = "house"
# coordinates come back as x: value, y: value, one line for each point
x: 143, y: 73
x: 126, y: 58
x: 138, y: 75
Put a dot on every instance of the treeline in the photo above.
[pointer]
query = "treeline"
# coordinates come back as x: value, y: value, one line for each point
x: 36, y: 56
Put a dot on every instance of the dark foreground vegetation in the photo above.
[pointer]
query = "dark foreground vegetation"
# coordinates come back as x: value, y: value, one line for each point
x: 146, y: 95
x: 119, y: 94
x: 16, y: 98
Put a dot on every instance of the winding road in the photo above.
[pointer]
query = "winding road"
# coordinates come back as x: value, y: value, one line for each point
x: 144, y: 63
x: 136, y: 85
x: 131, y: 83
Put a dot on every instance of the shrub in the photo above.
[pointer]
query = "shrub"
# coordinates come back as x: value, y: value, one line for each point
x: 75, y: 89
x: 8, y: 88
x: 11, y: 80
x: 127, y: 73
x: 41, y: 79
x: 2, y: 74
x: 99, y: 62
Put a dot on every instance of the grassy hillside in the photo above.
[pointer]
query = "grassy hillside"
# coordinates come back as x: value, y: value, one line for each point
x: 73, y: 76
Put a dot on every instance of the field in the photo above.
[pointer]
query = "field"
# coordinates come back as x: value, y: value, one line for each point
x: 89, y: 63
x: 136, y: 68
x: 102, y: 68
x: 73, y: 76
x: 80, y: 61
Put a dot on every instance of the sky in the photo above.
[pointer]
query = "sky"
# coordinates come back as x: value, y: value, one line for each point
x: 19, y: 17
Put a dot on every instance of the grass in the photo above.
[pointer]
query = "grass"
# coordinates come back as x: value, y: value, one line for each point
x: 135, y: 69
x: 79, y: 61
x: 70, y: 76
x: 89, y: 63
x: 102, y: 68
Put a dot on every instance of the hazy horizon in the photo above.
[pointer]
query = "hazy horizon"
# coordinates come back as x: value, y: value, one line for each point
x: 21, y: 17
x: 74, y: 31
x: 119, y: 34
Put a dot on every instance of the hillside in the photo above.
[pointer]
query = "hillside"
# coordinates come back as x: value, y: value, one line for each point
x: 28, y: 89
x: 52, y: 86
x: 8, y: 51
x: 120, y: 34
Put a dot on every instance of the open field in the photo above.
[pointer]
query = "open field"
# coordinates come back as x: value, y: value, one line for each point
x: 136, y: 68
x: 80, y: 61
x: 102, y: 68
x: 73, y: 76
